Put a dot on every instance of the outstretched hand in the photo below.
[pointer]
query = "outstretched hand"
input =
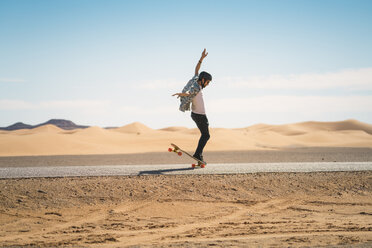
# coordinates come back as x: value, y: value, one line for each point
x: 177, y: 94
x: 204, y: 54
x: 180, y: 94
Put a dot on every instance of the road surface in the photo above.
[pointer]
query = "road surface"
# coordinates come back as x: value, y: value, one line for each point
x: 177, y: 169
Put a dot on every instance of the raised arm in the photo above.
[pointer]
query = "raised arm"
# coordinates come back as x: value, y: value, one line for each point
x: 197, y: 68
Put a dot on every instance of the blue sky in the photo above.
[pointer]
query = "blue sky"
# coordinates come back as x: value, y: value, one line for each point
x: 110, y: 63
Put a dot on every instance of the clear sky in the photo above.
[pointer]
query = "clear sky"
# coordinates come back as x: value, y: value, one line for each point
x: 110, y: 63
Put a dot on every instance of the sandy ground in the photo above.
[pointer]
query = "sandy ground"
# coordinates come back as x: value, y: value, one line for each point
x: 247, y: 210
x: 251, y: 210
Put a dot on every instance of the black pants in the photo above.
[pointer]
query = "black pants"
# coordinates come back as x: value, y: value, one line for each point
x: 202, y: 123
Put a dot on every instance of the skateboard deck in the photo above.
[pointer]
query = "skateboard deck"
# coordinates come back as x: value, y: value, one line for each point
x: 179, y: 151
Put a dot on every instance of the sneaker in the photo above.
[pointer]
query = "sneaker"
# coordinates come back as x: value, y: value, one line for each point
x: 200, y: 157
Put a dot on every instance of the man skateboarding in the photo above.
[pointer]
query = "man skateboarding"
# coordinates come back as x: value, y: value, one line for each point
x: 192, y: 94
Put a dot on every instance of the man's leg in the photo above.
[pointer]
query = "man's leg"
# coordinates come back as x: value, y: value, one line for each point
x: 202, y: 123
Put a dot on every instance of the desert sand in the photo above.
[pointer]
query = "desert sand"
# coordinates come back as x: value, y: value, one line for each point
x: 329, y: 209
x: 251, y: 210
x: 138, y: 138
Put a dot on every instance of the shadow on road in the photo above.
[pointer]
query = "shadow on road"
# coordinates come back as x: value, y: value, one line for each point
x: 160, y: 172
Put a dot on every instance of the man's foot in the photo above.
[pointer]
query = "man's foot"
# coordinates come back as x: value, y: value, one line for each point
x: 200, y: 157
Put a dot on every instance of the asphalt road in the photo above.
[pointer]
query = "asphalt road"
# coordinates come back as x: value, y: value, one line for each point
x: 176, y: 169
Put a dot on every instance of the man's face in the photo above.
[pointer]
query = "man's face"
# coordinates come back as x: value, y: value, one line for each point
x: 205, y: 82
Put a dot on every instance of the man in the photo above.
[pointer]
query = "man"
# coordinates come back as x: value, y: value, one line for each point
x: 192, y: 93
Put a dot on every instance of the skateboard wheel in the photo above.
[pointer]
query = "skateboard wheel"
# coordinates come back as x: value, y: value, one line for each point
x: 193, y: 165
x: 179, y: 153
x: 170, y: 150
x: 202, y: 166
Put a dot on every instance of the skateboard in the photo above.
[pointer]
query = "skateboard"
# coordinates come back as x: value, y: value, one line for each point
x: 179, y: 151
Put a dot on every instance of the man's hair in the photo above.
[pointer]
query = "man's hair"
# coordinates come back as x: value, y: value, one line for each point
x: 205, y: 75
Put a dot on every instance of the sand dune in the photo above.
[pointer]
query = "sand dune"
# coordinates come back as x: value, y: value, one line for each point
x: 92, y: 131
x: 305, y: 127
x: 135, y: 127
x: 47, y: 128
x: 137, y: 137
x: 42, y: 129
x: 174, y: 129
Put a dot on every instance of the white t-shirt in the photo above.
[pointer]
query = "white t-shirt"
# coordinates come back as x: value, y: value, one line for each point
x: 198, y: 104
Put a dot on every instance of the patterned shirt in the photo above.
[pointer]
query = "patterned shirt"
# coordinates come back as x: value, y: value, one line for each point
x: 192, y: 88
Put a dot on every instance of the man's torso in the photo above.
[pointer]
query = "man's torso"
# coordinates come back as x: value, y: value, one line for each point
x: 198, y: 104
